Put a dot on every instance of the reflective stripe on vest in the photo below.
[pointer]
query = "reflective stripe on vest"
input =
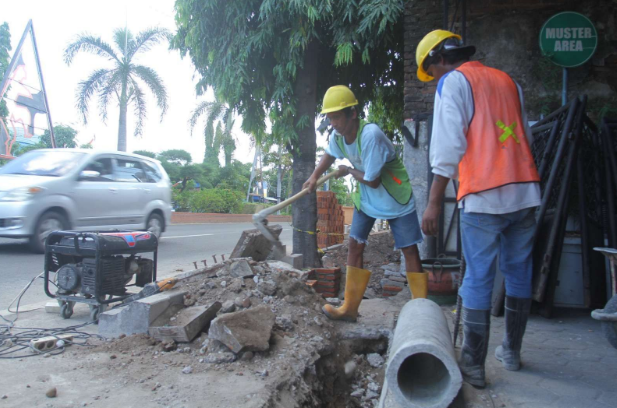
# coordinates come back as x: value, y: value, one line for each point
x: 497, y: 152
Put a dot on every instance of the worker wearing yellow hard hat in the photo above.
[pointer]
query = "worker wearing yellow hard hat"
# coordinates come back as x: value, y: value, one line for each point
x: 480, y: 137
x: 383, y: 191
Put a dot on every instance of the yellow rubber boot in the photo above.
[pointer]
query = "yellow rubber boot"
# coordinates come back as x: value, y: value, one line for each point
x: 357, y: 280
x: 418, y: 284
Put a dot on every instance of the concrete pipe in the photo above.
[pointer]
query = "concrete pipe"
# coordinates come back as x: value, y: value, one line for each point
x: 422, y: 370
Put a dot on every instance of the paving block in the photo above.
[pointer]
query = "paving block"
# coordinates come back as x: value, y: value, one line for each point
x: 52, y: 307
x: 137, y: 316
x: 295, y: 260
x: 187, y: 323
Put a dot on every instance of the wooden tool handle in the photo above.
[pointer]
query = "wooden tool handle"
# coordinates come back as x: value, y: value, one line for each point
x: 264, y: 213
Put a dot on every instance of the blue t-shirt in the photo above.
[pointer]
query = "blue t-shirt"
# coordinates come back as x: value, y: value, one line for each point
x: 377, y: 150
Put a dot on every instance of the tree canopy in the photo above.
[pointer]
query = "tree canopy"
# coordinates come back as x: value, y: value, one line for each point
x: 274, y: 59
x: 124, y: 80
x: 251, y: 51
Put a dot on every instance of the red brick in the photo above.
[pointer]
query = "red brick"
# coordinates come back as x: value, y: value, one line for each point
x: 389, y: 288
x: 311, y: 283
x: 325, y: 271
x: 321, y: 277
x: 327, y: 284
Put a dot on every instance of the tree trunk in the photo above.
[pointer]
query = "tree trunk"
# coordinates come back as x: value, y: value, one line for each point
x: 122, y: 121
x: 304, y: 211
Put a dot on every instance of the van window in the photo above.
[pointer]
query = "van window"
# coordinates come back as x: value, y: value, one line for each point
x: 104, y: 166
x: 129, y: 170
x: 152, y: 173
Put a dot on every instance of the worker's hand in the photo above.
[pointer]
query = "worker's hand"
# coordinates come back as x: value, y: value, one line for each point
x: 342, y: 171
x: 311, y: 184
x: 430, y: 219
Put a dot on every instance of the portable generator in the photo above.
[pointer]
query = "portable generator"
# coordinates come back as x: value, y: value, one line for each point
x: 97, y: 267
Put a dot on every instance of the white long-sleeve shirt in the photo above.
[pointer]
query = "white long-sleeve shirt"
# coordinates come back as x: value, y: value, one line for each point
x: 454, y: 109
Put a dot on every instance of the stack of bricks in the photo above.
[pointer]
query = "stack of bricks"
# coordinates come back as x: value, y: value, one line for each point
x: 330, y: 220
x: 392, y: 283
x: 325, y: 281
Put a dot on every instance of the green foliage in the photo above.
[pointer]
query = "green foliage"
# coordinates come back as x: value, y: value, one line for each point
x: 125, y: 80
x: 176, y: 156
x: 64, y: 136
x: 146, y: 153
x: 250, y: 51
x: 342, y: 191
x: 214, y: 200
x: 5, y: 47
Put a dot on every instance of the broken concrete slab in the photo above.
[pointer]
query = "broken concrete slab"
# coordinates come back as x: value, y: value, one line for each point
x: 241, y: 269
x: 376, y: 321
x: 136, y: 317
x: 186, y: 324
x: 283, y: 267
x: 247, y: 330
x: 254, y: 244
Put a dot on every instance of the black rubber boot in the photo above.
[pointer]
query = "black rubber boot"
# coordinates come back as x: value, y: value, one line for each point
x: 517, y: 312
x: 476, y: 329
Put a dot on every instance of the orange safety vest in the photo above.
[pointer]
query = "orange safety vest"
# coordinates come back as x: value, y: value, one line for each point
x: 497, y: 152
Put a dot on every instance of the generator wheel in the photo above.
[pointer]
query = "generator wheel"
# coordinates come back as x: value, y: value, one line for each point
x: 95, y: 312
x: 610, y: 328
x: 66, y: 310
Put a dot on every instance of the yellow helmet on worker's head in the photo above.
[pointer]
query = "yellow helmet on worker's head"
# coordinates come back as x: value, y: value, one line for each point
x: 428, y: 44
x: 338, y: 98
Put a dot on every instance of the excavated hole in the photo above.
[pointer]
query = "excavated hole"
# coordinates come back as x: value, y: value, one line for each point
x: 422, y: 377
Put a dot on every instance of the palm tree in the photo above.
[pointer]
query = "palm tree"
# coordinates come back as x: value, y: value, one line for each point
x: 123, y: 81
x: 216, y: 111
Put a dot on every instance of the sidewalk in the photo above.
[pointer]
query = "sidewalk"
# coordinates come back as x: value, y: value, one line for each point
x: 567, y: 363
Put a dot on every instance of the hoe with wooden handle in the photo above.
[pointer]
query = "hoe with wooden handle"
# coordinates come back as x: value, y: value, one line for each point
x: 261, y: 223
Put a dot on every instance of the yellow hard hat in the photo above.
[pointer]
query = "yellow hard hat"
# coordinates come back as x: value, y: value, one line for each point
x: 338, y: 98
x: 430, y: 41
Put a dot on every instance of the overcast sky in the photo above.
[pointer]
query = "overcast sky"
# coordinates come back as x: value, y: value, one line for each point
x: 56, y: 23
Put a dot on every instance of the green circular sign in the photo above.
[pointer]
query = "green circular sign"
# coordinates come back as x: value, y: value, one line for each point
x: 568, y: 39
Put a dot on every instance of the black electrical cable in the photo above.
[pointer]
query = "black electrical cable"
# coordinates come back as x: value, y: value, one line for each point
x: 17, y: 339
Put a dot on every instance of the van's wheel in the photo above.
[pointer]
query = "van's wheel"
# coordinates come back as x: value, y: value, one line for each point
x: 49, y: 222
x: 155, y: 225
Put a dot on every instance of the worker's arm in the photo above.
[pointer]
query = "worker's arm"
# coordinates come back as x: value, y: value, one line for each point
x: 359, y: 176
x: 324, y: 164
x: 452, y: 113
x: 430, y: 218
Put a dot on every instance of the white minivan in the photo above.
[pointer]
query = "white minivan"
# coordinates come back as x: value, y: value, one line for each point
x: 79, y: 189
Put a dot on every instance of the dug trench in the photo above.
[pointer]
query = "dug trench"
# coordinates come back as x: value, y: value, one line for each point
x: 273, y: 348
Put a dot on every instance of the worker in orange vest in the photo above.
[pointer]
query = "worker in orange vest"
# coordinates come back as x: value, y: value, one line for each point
x: 480, y: 137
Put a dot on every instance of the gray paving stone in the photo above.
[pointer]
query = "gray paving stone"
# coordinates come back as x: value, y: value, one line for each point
x: 608, y: 398
x: 570, y: 388
x: 580, y: 402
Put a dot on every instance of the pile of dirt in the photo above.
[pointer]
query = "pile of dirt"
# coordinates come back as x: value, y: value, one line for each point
x: 378, y: 252
x: 302, y: 364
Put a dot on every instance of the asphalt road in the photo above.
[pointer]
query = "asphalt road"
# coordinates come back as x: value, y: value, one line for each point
x: 180, y: 246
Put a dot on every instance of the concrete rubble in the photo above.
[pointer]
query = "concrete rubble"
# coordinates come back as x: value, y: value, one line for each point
x: 248, y: 330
